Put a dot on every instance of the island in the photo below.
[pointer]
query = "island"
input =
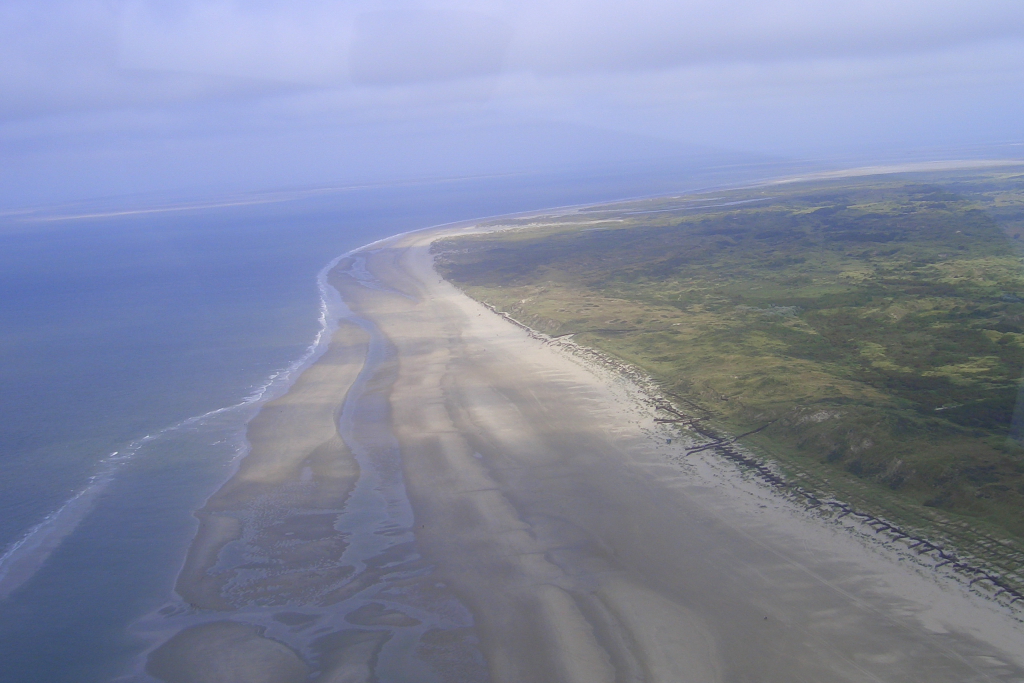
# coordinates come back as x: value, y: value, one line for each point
x: 672, y: 439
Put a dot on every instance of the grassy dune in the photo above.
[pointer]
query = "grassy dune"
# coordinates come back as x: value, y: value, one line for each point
x: 877, y: 324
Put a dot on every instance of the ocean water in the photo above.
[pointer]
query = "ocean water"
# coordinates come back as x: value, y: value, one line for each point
x: 135, y: 345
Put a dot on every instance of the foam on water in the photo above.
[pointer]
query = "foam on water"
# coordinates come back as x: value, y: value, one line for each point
x: 23, y: 558
x: 377, y: 521
x: 97, y: 522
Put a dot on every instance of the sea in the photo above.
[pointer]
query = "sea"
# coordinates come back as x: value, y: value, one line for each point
x: 137, y: 338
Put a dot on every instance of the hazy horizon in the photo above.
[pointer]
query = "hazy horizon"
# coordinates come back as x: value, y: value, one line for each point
x: 311, y: 374
x: 119, y: 98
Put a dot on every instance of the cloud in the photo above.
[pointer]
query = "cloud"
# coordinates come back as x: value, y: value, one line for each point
x: 426, y: 45
x: 59, y: 54
x: 577, y: 36
x: 321, y: 42
x: 304, y: 43
x: 126, y: 85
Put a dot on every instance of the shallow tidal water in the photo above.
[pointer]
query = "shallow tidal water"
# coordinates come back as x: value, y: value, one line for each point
x: 391, y: 605
x: 134, y: 349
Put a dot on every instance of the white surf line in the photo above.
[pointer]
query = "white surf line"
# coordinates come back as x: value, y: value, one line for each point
x: 19, y: 563
x: 23, y: 558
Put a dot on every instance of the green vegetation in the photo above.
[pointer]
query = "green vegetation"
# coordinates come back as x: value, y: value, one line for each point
x: 877, y: 324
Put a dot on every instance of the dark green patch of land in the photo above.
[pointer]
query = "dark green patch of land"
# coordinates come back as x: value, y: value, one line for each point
x: 877, y: 324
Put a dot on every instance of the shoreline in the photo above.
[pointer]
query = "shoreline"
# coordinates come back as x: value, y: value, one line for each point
x: 15, y: 569
x: 950, y: 563
x: 395, y: 276
x: 518, y: 463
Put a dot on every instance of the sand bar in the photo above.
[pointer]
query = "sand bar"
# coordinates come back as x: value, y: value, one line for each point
x: 544, y: 504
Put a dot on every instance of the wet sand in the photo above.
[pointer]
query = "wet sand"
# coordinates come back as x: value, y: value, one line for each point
x: 297, y: 473
x: 487, y: 508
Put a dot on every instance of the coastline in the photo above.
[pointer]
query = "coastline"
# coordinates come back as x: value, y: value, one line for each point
x: 293, y: 439
x: 519, y: 463
x: 945, y: 561
x: 23, y: 557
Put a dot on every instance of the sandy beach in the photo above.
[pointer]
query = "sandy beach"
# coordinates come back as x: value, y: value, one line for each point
x: 442, y: 497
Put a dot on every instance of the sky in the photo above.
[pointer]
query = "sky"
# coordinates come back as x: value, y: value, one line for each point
x: 115, y: 97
